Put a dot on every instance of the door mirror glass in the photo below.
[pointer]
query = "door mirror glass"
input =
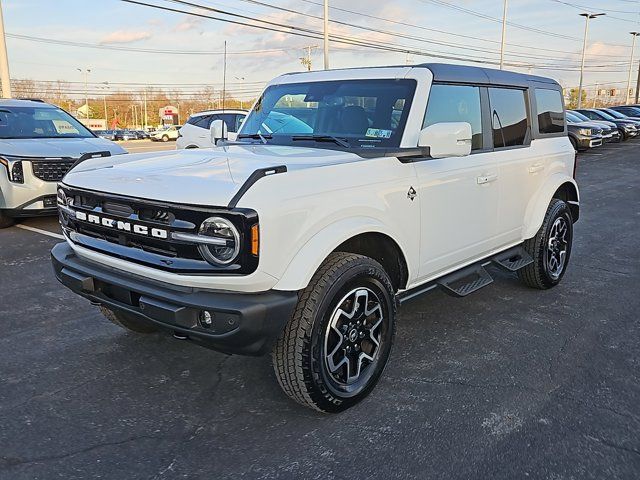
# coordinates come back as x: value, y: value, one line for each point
x: 447, y: 139
x: 218, y: 131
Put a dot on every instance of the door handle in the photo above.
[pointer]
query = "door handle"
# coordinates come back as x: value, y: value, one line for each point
x: 486, y: 179
x: 536, y: 167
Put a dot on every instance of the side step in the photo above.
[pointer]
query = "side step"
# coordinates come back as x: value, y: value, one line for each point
x: 465, y: 281
x: 513, y: 259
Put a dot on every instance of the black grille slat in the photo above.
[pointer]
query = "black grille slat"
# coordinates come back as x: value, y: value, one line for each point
x: 51, y: 170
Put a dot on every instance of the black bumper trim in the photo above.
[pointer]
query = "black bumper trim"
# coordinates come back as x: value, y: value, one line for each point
x: 243, y: 323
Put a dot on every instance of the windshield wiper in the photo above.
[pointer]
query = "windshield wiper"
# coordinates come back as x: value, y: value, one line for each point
x: 256, y: 136
x: 323, y: 138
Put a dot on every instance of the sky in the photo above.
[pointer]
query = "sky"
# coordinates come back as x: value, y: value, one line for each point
x: 544, y: 37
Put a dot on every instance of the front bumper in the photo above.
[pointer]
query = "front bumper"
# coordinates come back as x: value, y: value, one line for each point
x: 242, y: 323
x: 31, y: 198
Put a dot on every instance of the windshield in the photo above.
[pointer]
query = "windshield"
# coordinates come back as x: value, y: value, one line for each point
x: 354, y: 113
x: 573, y: 118
x: 39, y: 122
x: 605, y: 115
x: 580, y: 116
x: 615, y: 114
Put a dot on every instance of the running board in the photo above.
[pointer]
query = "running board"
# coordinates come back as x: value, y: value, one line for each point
x: 465, y: 281
x: 513, y: 259
x: 473, y: 277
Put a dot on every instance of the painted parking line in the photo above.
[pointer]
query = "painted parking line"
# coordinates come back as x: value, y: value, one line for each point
x: 40, y: 231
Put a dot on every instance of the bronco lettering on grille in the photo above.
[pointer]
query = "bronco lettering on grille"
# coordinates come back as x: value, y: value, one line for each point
x: 124, y: 226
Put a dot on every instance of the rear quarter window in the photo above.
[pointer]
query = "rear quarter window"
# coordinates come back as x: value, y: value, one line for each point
x: 550, y: 111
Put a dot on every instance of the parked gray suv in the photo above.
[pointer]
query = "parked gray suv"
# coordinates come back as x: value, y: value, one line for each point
x: 39, y: 143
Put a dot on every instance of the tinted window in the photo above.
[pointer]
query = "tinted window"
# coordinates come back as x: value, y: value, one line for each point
x: 550, y: 111
x: 456, y: 103
x: 508, y: 117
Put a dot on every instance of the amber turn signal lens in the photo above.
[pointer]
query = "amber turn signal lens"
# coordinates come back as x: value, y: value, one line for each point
x: 255, y: 240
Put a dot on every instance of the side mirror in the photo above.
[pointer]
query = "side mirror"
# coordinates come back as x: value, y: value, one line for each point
x: 447, y: 139
x: 218, y: 130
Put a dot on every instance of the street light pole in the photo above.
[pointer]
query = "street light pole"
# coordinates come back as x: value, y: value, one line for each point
x: 326, y: 34
x: 633, y: 46
x: 504, y: 33
x: 86, y: 73
x: 5, y: 78
x: 587, y: 16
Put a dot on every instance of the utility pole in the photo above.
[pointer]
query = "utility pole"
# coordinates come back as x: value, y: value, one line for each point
x: 633, y: 46
x: 86, y: 73
x: 638, y: 85
x: 224, y: 76
x: 240, y: 79
x: 5, y: 78
x: 504, y: 33
x: 145, y: 110
x: 595, y: 95
x: 587, y: 17
x: 306, y: 60
x: 326, y: 34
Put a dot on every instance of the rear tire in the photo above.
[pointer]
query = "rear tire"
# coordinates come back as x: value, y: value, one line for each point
x: 337, y: 343
x: 127, y: 321
x: 6, y: 221
x: 550, y: 248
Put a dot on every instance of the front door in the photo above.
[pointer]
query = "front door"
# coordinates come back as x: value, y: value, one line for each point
x: 458, y: 195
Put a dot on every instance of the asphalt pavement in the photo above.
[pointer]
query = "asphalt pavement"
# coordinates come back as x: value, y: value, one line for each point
x: 509, y: 383
x: 143, y: 146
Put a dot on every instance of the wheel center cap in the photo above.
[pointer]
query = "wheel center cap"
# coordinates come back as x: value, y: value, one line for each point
x: 353, y: 335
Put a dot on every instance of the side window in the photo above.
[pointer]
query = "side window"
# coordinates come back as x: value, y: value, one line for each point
x: 590, y: 114
x: 508, y: 117
x: 203, y: 121
x: 550, y: 111
x: 239, y: 120
x: 232, y: 121
x: 456, y: 103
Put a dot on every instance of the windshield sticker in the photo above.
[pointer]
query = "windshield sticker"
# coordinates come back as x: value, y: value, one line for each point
x: 378, y: 133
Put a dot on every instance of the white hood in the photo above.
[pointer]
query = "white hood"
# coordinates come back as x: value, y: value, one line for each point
x: 197, y: 177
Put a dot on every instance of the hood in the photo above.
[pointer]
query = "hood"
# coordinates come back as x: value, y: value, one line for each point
x: 57, y: 147
x: 208, y: 176
x: 591, y: 125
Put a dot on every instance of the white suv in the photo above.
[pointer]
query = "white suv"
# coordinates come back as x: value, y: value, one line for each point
x: 347, y: 193
x: 171, y: 132
x: 195, y: 133
x: 38, y: 144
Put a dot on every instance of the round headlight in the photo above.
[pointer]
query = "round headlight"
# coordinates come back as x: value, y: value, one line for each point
x: 221, y: 229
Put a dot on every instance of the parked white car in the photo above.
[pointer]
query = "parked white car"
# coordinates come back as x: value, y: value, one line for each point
x: 165, y: 134
x: 347, y: 193
x: 38, y: 145
x: 195, y: 132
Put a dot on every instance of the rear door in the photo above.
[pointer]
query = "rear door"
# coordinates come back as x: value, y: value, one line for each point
x: 521, y: 168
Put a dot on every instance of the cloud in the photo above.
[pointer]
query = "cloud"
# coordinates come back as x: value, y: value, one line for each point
x: 125, y: 36
x: 188, y: 24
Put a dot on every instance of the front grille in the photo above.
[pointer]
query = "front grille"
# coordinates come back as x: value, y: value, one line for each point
x: 51, y: 170
x: 146, y: 249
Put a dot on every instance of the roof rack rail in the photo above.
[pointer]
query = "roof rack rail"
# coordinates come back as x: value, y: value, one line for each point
x: 39, y: 100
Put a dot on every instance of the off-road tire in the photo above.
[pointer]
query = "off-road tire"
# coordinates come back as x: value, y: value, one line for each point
x: 6, y: 221
x: 537, y: 274
x: 298, y: 356
x: 127, y: 321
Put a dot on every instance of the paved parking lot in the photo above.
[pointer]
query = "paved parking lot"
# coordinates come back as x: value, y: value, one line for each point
x: 509, y: 383
x: 143, y: 146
